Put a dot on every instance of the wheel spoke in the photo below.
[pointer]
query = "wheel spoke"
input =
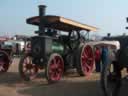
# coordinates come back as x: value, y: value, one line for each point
x: 54, y: 60
x: 32, y: 72
x: 84, y: 62
x: 24, y: 68
x: 85, y: 55
x: 60, y: 70
x: 29, y: 69
x: 24, y: 65
x: 88, y: 67
x: 55, y: 68
x: 86, y: 52
x: 58, y: 62
x: 87, y: 60
x: 90, y: 59
x: 25, y: 61
x: 52, y: 66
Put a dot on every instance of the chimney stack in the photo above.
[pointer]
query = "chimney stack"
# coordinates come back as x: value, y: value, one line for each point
x: 42, y: 9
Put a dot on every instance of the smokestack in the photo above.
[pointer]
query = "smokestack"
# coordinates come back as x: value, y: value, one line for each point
x: 109, y: 34
x: 42, y: 9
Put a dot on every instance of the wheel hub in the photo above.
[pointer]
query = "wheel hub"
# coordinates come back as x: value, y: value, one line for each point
x: 29, y: 66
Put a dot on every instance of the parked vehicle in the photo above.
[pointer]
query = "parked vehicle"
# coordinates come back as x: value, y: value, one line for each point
x: 55, y: 51
x: 17, y: 46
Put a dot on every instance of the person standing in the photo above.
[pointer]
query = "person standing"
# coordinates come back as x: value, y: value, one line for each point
x: 104, y: 56
x: 98, y: 59
x: 17, y: 49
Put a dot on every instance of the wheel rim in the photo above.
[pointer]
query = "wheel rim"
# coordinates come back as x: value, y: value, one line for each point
x: 56, y: 67
x: 29, y: 69
x: 87, y: 60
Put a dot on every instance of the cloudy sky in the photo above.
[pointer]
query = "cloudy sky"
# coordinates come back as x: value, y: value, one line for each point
x: 108, y: 15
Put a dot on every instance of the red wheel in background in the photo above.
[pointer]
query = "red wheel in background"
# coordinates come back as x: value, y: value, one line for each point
x: 27, y: 69
x: 85, y: 60
x: 55, y: 68
x: 4, y: 61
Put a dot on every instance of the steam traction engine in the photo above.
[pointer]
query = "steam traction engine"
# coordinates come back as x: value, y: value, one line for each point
x: 55, y: 51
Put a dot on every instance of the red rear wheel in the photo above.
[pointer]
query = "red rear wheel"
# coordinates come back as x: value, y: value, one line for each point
x: 55, y: 68
x: 27, y: 69
x: 85, y: 60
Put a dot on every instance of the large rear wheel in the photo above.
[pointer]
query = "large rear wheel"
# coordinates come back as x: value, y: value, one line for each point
x: 85, y: 60
x: 54, y: 68
x: 27, y: 69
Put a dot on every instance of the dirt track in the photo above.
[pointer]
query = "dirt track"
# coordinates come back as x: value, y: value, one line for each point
x: 12, y: 85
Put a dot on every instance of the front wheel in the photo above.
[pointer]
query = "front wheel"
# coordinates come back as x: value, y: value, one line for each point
x: 54, y: 68
x: 27, y: 69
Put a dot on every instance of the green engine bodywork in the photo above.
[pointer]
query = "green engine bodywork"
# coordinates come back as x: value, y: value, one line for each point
x: 57, y: 47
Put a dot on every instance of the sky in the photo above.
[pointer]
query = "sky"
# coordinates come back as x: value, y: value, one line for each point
x: 109, y: 16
